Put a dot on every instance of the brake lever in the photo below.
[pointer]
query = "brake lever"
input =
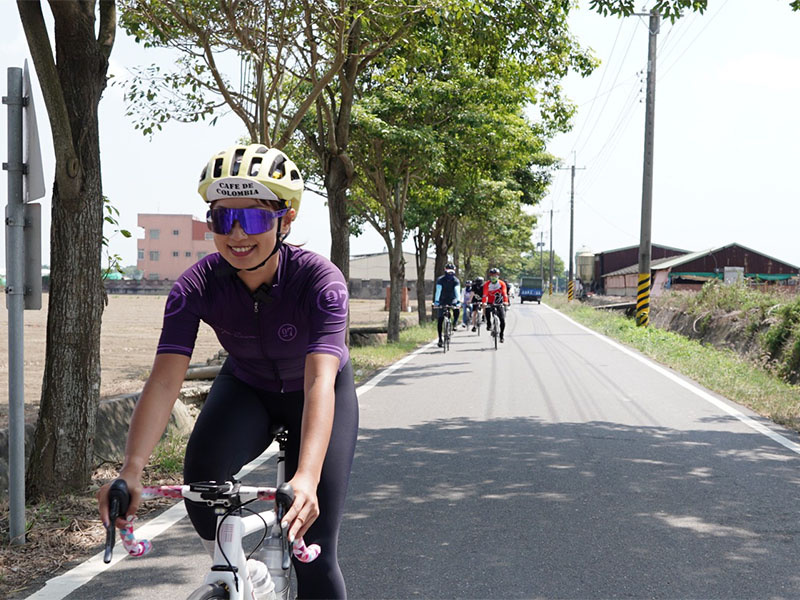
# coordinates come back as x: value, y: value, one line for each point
x: 119, y: 499
x: 284, y: 498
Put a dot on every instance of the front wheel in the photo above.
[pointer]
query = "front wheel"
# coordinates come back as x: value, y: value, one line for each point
x: 210, y: 591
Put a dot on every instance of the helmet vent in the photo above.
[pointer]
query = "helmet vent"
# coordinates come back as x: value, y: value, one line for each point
x: 295, y: 175
x: 262, y: 150
x: 203, y: 174
x: 255, y: 166
x: 237, y: 161
x: 278, y: 168
x: 218, y: 168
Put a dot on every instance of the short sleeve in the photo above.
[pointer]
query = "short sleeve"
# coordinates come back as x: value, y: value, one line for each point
x: 329, y: 309
x: 181, y: 320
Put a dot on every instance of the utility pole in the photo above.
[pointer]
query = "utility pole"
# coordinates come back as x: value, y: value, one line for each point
x: 643, y: 290
x: 541, y: 254
x: 550, y: 283
x: 570, y: 282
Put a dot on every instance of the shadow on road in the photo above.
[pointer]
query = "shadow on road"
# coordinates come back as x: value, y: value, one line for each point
x: 518, y: 508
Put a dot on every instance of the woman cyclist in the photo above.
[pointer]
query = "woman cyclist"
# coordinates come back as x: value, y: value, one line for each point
x: 280, y: 312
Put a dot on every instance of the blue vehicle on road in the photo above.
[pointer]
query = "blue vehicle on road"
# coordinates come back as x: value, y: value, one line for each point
x: 530, y: 288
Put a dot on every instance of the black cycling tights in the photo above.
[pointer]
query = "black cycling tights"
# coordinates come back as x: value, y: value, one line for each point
x: 441, y: 320
x: 233, y: 429
x: 501, y: 315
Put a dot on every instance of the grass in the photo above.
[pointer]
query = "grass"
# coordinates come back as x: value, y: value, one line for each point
x: 721, y: 371
x: 368, y: 359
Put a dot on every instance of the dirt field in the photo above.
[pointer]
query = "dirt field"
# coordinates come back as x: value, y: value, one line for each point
x: 131, y: 328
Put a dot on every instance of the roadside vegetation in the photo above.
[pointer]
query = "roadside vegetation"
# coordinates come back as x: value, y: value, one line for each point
x: 762, y: 386
x: 773, y: 316
x: 368, y: 359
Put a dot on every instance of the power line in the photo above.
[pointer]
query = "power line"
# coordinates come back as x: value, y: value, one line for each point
x: 711, y: 20
x: 622, y: 63
x: 599, y: 85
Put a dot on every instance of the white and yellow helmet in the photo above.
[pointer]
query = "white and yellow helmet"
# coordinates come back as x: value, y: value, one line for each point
x: 255, y: 171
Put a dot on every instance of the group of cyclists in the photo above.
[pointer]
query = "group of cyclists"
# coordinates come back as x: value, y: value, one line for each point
x: 489, y: 295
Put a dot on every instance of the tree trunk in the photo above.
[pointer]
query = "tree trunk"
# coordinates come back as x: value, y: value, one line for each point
x: 61, y: 455
x: 421, y: 241
x: 338, y: 178
x: 397, y: 281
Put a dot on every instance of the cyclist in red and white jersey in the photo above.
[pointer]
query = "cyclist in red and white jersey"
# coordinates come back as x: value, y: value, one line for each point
x: 491, y: 290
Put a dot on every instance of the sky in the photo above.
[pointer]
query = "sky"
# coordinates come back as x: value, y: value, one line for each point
x: 727, y: 139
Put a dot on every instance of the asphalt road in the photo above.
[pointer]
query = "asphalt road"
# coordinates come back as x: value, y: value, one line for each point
x: 559, y: 466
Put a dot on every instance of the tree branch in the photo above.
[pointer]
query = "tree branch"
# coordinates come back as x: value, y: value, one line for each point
x: 108, y: 26
x: 30, y: 13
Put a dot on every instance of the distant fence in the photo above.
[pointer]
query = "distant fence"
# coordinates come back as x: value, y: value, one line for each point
x: 365, y: 289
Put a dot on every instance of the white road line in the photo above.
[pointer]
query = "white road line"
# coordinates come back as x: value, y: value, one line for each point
x: 755, y: 425
x: 365, y: 387
x: 62, y: 586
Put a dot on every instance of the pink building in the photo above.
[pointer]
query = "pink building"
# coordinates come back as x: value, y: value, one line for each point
x: 171, y: 244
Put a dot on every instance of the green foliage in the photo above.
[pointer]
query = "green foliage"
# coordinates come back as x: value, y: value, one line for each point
x: 782, y: 340
x: 168, y: 455
x: 532, y: 264
x: 765, y: 311
x: 112, y: 218
x: 367, y: 359
x: 669, y: 9
x: 718, y: 296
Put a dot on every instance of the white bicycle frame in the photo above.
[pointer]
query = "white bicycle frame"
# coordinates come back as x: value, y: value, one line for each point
x: 230, y: 532
x: 229, y: 567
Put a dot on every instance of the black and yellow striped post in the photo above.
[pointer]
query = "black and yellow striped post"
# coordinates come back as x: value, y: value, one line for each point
x: 570, y: 290
x: 643, y: 300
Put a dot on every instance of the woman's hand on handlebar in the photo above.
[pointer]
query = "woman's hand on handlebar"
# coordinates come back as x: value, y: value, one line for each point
x: 305, y: 509
x: 134, y: 487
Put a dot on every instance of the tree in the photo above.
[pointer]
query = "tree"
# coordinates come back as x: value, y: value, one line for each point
x: 294, y: 55
x: 669, y: 9
x: 526, y: 47
x: 72, y: 83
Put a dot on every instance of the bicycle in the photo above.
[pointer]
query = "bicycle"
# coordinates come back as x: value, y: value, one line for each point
x: 495, y: 320
x: 447, y: 326
x: 230, y: 576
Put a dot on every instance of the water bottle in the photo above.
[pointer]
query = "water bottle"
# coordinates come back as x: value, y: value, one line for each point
x: 263, y: 586
x: 271, y: 554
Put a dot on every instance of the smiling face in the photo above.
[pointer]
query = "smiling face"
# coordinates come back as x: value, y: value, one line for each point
x: 245, y: 251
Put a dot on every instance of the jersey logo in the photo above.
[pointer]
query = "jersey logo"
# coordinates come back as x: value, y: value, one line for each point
x: 287, y: 332
x: 175, y: 301
x: 332, y: 299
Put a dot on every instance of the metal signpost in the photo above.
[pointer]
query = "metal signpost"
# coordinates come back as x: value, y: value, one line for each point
x: 23, y: 273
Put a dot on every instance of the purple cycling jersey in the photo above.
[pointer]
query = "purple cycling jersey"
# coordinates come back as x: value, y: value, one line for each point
x: 267, y: 335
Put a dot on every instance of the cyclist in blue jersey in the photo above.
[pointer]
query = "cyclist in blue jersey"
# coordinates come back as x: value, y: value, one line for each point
x: 447, y: 293
x: 280, y: 312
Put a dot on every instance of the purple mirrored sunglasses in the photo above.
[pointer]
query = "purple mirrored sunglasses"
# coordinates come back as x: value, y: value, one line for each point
x: 252, y: 220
